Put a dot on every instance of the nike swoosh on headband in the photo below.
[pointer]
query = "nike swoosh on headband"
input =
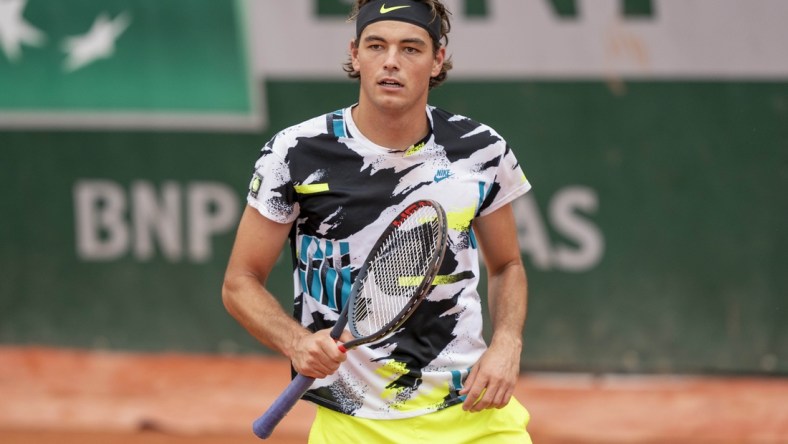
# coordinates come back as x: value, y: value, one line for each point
x: 385, y: 10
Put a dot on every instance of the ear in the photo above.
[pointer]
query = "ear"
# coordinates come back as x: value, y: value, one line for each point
x: 437, y: 63
x: 354, y: 54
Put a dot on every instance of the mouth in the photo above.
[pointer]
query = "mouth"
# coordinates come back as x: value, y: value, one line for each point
x: 390, y: 83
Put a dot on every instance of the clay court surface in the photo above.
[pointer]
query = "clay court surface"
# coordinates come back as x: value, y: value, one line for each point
x: 69, y: 396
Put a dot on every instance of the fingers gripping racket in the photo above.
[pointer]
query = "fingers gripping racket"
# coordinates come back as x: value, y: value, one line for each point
x: 396, y: 276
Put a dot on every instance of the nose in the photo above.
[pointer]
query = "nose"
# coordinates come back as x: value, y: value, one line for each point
x: 392, y: 60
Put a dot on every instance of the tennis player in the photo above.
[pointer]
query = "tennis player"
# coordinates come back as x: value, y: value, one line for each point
x: 329, y: 185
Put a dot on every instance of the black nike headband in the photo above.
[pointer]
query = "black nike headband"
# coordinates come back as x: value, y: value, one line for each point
x: 409, y: 11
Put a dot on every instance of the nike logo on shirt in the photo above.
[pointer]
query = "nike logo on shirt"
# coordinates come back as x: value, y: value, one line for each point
x: 442, y: 175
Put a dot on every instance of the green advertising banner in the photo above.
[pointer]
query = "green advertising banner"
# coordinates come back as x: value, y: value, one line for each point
x: 654, y: 237
x: 125, y: 63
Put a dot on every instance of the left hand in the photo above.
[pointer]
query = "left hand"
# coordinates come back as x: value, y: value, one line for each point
x: 492, y: 380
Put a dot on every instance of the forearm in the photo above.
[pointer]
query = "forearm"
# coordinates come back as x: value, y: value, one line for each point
x: 258, y: 311
x: 507, y: 292
x: 492, y: 380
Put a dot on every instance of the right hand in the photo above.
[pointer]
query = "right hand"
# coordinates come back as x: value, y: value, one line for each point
x: 316, y: 355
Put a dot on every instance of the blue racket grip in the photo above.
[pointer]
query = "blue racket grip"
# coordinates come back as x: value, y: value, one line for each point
x: 265, y: 425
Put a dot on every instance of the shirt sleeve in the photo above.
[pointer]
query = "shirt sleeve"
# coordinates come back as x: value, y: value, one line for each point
x: 271, y: 189
x: 510, y: 183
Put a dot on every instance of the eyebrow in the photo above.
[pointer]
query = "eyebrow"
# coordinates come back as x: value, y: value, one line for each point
x: 411, y: 40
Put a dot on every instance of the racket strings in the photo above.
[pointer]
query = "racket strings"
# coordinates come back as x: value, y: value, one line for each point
x: 396, y: 272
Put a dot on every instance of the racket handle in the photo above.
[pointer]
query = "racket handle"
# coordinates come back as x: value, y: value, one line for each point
x: 265, y: 425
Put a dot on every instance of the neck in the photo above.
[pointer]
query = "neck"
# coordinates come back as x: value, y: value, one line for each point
x: 395, y: 130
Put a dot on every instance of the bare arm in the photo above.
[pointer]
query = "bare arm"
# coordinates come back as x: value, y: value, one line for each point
x: 492, y: 380
x: 258, y: 243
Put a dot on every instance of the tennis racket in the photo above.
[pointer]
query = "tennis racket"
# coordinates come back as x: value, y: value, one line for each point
x: 396, y: 276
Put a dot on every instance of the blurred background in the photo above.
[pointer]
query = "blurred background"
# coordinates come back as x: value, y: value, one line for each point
x: 654, y: 132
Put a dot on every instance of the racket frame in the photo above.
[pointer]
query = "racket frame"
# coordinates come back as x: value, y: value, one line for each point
x: 418, y: 295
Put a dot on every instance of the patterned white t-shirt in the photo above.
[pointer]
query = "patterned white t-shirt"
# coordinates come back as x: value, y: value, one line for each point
x: 340, y: 190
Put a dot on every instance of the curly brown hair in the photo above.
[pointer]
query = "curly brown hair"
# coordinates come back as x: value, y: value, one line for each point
x: 438, y: 10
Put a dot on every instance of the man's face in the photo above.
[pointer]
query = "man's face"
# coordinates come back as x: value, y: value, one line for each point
x: 395, y: 60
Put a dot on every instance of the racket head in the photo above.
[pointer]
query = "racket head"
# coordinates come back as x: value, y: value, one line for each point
x: 398, y: 273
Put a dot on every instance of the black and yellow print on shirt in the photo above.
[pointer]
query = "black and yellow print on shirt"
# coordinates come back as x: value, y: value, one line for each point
x: 339, y: 190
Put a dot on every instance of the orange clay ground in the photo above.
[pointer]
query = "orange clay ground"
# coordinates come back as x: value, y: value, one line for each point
x: 68, y: 396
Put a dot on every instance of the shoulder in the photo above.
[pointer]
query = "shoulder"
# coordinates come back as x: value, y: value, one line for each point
x: 278, y: 148
x: 459, y: 124
x: 314, y: 127
x: 461, y: 134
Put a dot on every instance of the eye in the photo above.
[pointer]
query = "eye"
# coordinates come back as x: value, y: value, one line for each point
x: 411, y: 50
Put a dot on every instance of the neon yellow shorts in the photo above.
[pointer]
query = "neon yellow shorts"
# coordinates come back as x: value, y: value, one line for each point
x: 451, y: 425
